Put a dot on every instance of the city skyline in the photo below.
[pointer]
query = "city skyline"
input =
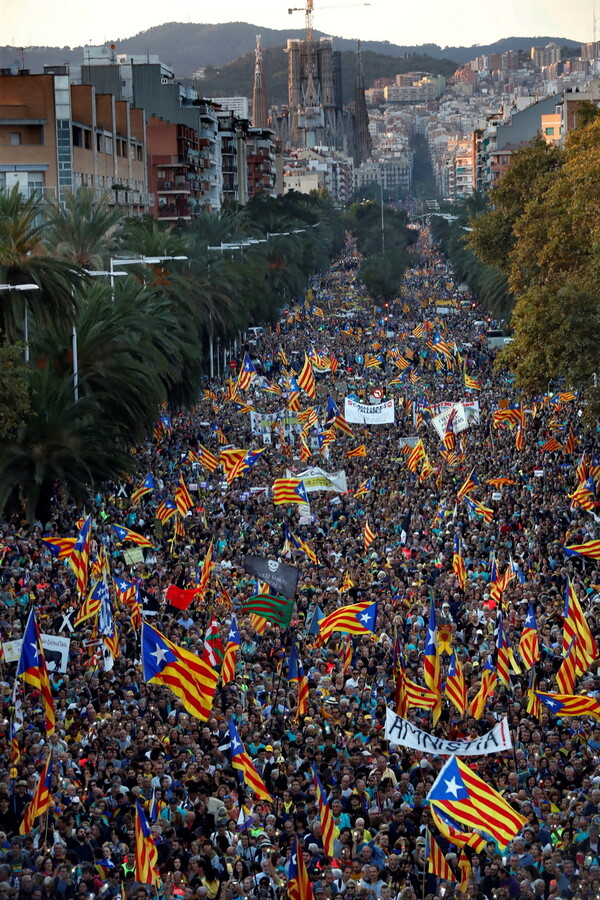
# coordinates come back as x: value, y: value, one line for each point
x: 78, y: 22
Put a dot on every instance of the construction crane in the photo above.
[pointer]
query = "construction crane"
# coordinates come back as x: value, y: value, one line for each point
x: 308, y: 14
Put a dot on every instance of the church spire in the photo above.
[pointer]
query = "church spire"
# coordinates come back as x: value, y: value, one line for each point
x: 260, y: 107
x: 362, y: 141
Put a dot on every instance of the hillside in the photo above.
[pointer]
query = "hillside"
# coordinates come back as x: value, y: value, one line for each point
x: 186, y: 46
x: 236, y: 77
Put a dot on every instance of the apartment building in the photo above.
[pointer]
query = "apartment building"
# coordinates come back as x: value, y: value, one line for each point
x: 150, y: 85
x: 394, y: 174
x: 56, y: 136
x: 263, y: 153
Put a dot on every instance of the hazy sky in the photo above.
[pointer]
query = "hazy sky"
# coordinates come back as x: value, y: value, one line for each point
x: 75, y: 22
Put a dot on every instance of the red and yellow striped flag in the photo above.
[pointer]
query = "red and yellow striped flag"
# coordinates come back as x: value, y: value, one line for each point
x: 242, y: 762
x: 146, y: 854
x: 368, y: 535
x: 358, y: 452
x: 41, y: 800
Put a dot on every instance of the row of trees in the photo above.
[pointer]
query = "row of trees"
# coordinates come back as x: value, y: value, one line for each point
x: 531, y: 253
x: 543, y: 235
x: 383, y: 238
x: 449, y: 230
x: 138, y: 343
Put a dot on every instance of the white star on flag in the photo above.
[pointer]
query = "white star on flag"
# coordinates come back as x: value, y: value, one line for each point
x: 452, y: 787
x: 160, y: 653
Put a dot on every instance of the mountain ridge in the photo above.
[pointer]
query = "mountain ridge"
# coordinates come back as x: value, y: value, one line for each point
x: 186, y: 46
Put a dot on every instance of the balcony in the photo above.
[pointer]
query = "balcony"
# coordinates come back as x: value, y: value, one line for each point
x: 173, y: 187
x: 173, y: 211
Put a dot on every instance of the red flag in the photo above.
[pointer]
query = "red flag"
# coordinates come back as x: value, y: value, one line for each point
x: 180, y: 598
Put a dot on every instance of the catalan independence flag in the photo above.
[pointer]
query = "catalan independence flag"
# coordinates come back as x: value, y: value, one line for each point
x: 306, y: 379
x: 41, y: 800
x: 125, y: 534
x: 247, y: 373
x: 489, y: 680
x: 368, y: 535
x: 146, y: 487
x: 296, y: 676
x: 529, y: 646
x: 92, y: 603
x: 80, y: 557
x: 431, y: 661
x: 584, y: 495
x: 470, y: 484
x: 33, y: 670
x: 329, y: 829
x: 469, y: 801
x: 184, y: 673
x: 358, y: 452
x: 302, y: 545
x: 436, y: 861
x: 569, y: 704
x: 299, y: 886
x: 364, y: 488
x: 456, y: 689
x: 471, y: 384
x: 61, y: 548
x: 447, y: 828
x: 480, y: 510
x: 242, y: 762
x: 231, y: 647
x: 165, y: 510
x: 356, y: 618
x: 146, y: 854
x: 208, y: 459
x: 289, y: 490
x: 126, y: 591
x: 503, y: 656
x: 575, y: 625
x: 567, y: 673
x: 334, y: 417
x: 458, y: 563
x: 590, y: 549
x: 183, y: 498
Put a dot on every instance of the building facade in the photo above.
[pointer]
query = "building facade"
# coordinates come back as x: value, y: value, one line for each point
x: 56, y: 137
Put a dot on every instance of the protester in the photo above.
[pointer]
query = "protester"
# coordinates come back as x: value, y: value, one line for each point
x: 119, y: 741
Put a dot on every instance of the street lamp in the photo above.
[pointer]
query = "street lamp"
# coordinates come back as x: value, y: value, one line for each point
x: 22, y: 287
x: 382, y: 219
x: 136, y: 260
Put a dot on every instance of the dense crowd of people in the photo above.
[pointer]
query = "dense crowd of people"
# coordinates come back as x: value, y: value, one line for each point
x: 119, y: 740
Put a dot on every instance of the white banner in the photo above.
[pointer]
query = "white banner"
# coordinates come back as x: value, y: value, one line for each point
x: 262, y: 423
x: 471, y: 408
x: 401, y: 733
x: 369, y: 413
x: 56, y: 651
x: 466, y: 414
x: 317, y: 479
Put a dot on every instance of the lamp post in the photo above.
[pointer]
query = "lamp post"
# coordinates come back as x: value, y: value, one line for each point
x: 136, y: 260
x: 382, y: 219
x: 22, y: 287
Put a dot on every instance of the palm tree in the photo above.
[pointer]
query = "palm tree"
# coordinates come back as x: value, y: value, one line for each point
x: 83, y: 231
x: 25, y: 259
x: 62, y: 444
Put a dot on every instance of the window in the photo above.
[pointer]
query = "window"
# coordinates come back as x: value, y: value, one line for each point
x: 35, y: 184
x: 15, y: 138
x: 549, y: 130
x: 87, y: 140
x: 99, y: 143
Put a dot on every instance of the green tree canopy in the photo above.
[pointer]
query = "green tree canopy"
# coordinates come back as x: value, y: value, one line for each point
x: 553, y: 260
